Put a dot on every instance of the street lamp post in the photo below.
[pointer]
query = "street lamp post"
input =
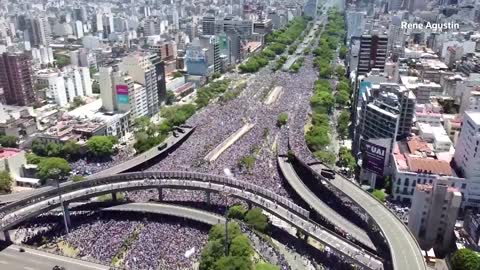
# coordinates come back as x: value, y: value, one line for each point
x: 56, y: 173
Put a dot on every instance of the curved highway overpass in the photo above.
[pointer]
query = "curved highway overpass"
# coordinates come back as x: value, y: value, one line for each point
x: 319, y: 206
x: 136, y: 161
x: 170, y: 210
x: 404, y: 248
x: 276, y: 205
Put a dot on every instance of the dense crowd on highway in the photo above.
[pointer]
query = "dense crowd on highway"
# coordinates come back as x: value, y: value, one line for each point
x: 87, y: 167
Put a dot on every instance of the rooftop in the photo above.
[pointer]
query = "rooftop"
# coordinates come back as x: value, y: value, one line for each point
x: 475, y: 116
x: 8, y: 152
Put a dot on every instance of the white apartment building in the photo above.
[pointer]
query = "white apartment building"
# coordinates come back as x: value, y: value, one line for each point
x: 65, y: 85
x: 423, y: 90
x: 120, y: 93
x: 467, y: 156
x: 415, y: 162
x: 434, y: 213
x: 139, y: 67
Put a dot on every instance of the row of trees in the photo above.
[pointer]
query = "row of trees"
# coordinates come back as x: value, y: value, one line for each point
x: 295, y: 67
x: 236, y: 253
x: 8, y: 141
x: 210, y: 91
x: 277, y: 44
x: 99, y: 147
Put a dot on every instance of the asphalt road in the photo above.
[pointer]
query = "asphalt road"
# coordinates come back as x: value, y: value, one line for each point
x: 406, y: 253
x: 31, y: 259
x: 170, y: 210
x: 320, y: 207
x: 128, y: 164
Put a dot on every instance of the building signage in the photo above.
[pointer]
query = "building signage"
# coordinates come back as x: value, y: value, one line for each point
x: 373, y: 157
x: 122, y: 94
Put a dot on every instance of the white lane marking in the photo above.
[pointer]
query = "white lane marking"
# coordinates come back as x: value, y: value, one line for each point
x: 28, y: 268
x: 3, y: 262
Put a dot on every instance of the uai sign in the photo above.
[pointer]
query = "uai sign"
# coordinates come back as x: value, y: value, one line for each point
x: 373, y: 157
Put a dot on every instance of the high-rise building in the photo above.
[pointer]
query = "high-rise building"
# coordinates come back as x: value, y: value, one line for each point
x: 208, y: 25
x: 16, y: 79
x: 386, y: 111
x: 120, y: 93
x: 433, y: 214
x: 467, y: 158
x: 373, y: 52
x: 159, y: 65
x: 140, y: 67
x: 355, y: 23
x: 310, y: 8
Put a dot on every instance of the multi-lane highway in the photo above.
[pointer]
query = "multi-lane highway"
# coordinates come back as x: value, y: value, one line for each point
x: 12, y: 259
x: 406, y: 253
x: 267, y: 200
x: 319, y: 206
x: 170, y: 142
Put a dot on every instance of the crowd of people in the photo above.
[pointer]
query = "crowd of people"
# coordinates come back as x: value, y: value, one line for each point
x: 87, y: 167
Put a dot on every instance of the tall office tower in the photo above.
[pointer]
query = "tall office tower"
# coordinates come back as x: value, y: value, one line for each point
x: 108, y: 27
x: 78, y: 29
x: 433, y: 214
x: 467, y: 157
x: 208, y: 25
x: 98, y: 22
x: 107, y: 94
x: 217, y: 62
x: 140, y: 68
x: 373, y: 52
x: 396, y: 35
x: 355, y: 23
x: 41, y: 31
x: 159, y: 65
x: 310, y: 8
x: 386, y: 111
x: 16, y: 79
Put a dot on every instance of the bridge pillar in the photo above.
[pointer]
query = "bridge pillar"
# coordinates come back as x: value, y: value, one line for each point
x: 160, y: 194
x: 207, y: 197
x: 249, y: 205
x: 114, y: 197
x: 67, y: 215
x: 6, y: 236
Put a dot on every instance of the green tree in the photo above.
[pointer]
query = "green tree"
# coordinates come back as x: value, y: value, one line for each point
x: 237, y: 212
x: 8, y: 141
x: 240, y: 246
x: 318, y: 137
x: 217, y: 232
x: 39, y: 148
x: 142, y: 123
x: 78, y: 178
x: 61, y: 60
x: 54, y: 150
x: 5, y: 182
x: 257, y: 219
x: 282, y: 119
x: 326, y: 156
x: 71, y: 149
x: 100, y: 146
x: 266, y: 266
x: 211, y: 253
x: 95, y: 87
x: 465, y: 259
x: 340, y: 71
x: 342, y: 98
x: 53, y: 168
x: 346, y: 159
x: 32, y: 158
x: 343, y: 52
x: 379, y: 194
x: 77, y: 102
x: 170, y: 99
x: 343, y: 122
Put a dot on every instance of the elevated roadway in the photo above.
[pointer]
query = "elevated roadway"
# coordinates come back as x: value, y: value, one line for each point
x: 276, y: 205
x: 32, y: 259
x: 136, y: 161
x: 405, y: 251
x: 169, y: 210
x: 319, y: 206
